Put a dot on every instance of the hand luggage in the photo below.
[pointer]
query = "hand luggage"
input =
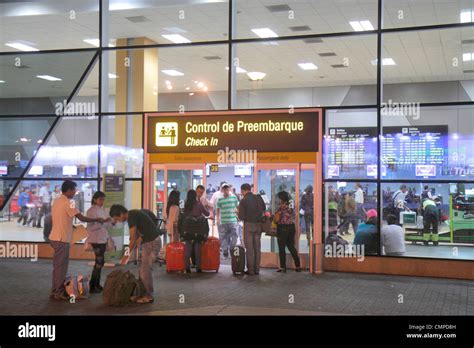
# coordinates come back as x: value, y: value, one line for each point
x: 77, y: 286
x: 210, y: 255
x: 175, y: 257
x: 238, y: 259
x: 118, y: 288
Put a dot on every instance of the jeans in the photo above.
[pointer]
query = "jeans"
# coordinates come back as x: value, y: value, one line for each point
x: 228, y: 236
x: 33, y: 214
x: 146, y: 266
x: 252, y: 241
x: 349, y: 218
x: 286, y: 239
x: 308, y: 220
x: 189, y: 247
x: 60, y: 266
x: 99, y: 251
x: 23, y: 215
x: 44, y: 210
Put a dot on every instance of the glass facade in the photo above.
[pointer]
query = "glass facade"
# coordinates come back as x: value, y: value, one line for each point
x: 394, y: 78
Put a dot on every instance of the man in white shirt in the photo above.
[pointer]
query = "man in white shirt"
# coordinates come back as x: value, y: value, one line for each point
x: 63, y: 213
x: 393, y: 237
x: 45, y: 197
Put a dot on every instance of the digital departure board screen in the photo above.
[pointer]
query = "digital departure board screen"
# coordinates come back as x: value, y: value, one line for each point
x: 350, y: 152
x: 414, y: 151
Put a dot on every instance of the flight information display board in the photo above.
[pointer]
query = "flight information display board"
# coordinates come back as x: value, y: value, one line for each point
x: 414, y: 151
x: 351, y: 152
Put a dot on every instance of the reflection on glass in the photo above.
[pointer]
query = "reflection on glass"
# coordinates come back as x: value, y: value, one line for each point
x: 306, y: 209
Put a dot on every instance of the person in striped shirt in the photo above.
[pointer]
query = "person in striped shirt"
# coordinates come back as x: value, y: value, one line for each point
x: 226, y: 216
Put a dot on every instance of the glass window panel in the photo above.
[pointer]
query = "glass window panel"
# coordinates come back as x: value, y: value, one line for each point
x: 167, y: 21
x: 428, y: 143
x: 39, y: 83
x: 176, y: 79
x: 429, y: 66
x: 350, y: 144
x: 35, y: 24
x: 435, y: 219
x: 349, y: 217
x: 329, y: 71
x: 70, y: 151
x: 301, y: 17
x: 411, y: 13
x: 121, y: 145
x: 30, y: 203
x: 19, y: 139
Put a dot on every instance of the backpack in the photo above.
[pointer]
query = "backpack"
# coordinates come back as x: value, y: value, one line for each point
x: 118, y: 288
x: 193, y: 227
x: 160, y: 224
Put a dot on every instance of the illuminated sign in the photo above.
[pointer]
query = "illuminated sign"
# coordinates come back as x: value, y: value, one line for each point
x: 272, y: 132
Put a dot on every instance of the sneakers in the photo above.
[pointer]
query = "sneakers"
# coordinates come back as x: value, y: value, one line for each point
x: 281, y: 270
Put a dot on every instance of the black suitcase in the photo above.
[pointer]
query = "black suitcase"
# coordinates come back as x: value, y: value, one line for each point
x: 238, y: 259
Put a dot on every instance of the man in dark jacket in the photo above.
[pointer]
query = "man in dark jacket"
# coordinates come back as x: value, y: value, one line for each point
x: 251, y: 210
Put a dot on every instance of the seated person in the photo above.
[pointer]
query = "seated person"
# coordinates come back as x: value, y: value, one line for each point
x: 393, y: 237
x: 366, y: 234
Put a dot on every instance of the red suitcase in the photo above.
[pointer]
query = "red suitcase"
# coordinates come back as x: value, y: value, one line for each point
x: 175, y: 257
x: 210, y: 255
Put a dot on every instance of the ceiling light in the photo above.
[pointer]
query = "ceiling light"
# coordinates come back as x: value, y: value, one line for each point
x: 205, y: 89
x: 167, y: 82
x: 2, y: 81
x: 169, y: 87
x: 191, y: 93
x: 200, y: 84
x: 256, y: 76
x: 264, y: 32
x: 385, y: 61
x: 467, y: 57
x: 466, y: 16
x: 188, y: 88
x: 95, y: 42
x: 21, y: 47
x: 172, y: 72
x: 176, y: 38
x: 112, y: 76
x: 48, y: 77
x: 361, y: 25
x: 240, y: 70
x: 308, y: 66
x: 175, y: 30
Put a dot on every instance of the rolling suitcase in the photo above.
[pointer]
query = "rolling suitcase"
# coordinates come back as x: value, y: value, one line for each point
x: 210, y: 255
x: 238, y: 259
x: 175, y: 257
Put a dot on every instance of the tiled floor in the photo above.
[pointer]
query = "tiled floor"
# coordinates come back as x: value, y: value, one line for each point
x: 24, y: 288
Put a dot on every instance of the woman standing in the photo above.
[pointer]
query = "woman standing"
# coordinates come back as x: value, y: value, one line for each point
x: 194, y: 227
x: 285, y: 220
x: 97, y: 235
x: 306, y: 205
x: 172, y: 216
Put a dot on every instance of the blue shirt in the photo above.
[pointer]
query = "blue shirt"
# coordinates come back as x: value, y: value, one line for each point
x: 23, y: 199
x: 367, y: 235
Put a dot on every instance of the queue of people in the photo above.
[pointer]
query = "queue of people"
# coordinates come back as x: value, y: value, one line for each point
x: 34, y: 203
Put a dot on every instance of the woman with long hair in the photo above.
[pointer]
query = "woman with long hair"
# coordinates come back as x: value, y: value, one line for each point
x: 194, y: 227
x: 172, y: 215
x: 97, y: 235
x: 285, y: 220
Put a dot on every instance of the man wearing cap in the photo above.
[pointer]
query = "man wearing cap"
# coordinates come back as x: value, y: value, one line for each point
x: 430, y: 221
x: 367, y: 235
x: 226, y: 216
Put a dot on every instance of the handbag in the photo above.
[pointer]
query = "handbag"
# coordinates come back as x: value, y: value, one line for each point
x: 110, y: 245
x: 273, y: 230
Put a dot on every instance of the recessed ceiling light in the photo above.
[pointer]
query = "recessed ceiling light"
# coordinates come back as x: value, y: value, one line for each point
x: 239, y: 70
x: 361, y: 25
x: 175, y: 30
x: 385, y: 61
x: 200, y: 84
x: 172, y: 72
x: 112, y: 76
x: 264, y: 32
x: 205, y: 89
x: 169, y: 87
x: 95, y: 42
x: 191, y: 93
x: 256, y: 75
x: 21, y: 47
x: 466, y: 16
x: 167, y: 82
x: 176, y: 38
x: 188, y: 88
x: 2, y: 81
x: 308, y: 66
x: 48, y: 77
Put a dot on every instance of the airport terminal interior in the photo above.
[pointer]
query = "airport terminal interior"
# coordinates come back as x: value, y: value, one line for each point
x: 393, y: 88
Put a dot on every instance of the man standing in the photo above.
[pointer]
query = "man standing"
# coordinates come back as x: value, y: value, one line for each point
x: 359, y: 199
x: 45, y: 197
x: 430, y: 222
x: 226, y: 216
x: 251, y: 210
x: 142, y: 227
x: 202, y: 197
x: 63, y: 213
